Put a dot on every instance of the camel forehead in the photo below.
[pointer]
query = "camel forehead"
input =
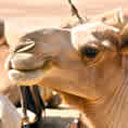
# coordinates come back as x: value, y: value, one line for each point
x: 92, y: 25
x: 89, y: 28
x: 91, y: 33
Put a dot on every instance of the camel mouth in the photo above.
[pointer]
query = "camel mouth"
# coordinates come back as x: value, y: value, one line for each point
x: 26, y: 78
x: 24, y: 75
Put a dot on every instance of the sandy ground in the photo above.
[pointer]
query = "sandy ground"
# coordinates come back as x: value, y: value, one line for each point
x: 54, y: 8
x: 53, y: 11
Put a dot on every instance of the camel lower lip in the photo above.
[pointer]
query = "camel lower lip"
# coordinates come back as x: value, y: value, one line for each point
x: 30, y: 77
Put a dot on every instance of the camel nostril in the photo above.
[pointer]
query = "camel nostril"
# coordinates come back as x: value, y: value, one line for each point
x: 27, y: 46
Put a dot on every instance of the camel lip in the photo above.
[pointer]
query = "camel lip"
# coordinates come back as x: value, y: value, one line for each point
x: 43, y: 66
x: 29, y: 77
x: 24, y: 70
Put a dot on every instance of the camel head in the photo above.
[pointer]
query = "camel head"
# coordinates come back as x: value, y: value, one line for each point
x: 85, y: 61
x: 79, y: 59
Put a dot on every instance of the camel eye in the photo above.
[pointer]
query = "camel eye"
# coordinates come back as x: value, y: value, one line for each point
x: 89, y: 52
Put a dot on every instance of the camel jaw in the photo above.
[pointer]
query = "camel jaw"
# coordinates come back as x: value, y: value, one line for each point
x: 28, y: 78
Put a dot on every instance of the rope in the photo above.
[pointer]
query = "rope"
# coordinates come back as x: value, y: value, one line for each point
x: 25, y: 119
x: 75, y: 12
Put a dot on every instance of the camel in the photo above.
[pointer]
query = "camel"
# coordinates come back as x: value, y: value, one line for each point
x: 87, y: 64
x: 6, y: 87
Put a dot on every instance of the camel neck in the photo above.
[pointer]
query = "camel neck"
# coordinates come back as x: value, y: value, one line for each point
x: 112, y: 112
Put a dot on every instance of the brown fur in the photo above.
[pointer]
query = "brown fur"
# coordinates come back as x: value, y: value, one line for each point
x: 96, y: 86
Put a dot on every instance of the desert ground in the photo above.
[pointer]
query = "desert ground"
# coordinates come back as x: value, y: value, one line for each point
x: 54, y: 11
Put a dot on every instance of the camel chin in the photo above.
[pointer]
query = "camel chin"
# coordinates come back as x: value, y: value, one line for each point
x: 28, y: 78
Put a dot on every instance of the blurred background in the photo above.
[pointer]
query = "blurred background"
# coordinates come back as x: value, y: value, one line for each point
x: 56, y: 9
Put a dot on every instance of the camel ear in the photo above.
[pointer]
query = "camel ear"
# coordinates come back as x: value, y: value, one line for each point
x: 124, y: 40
